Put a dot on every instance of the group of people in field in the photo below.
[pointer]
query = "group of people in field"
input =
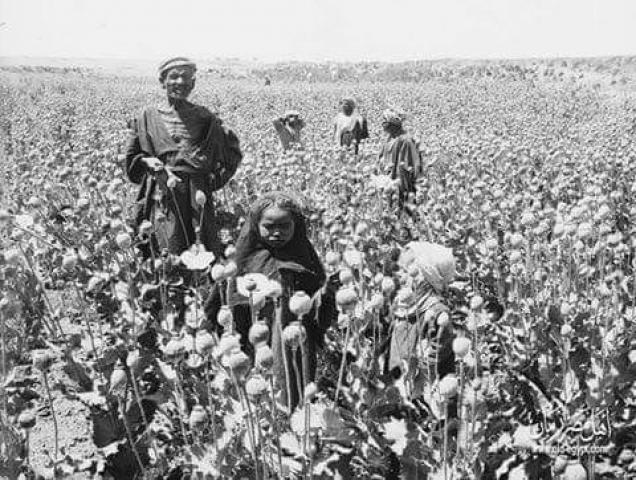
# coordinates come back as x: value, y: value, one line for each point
x: 180, y: 153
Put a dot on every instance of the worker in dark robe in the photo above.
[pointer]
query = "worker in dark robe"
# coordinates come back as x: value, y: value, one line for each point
x: 288, y: 128
x: 179, y: 153
x: 400, y: 155
x: 350, y: 127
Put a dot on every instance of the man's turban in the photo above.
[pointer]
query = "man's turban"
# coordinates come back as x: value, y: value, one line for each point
x: 175, y: 62
x: 394, y: 116
x: 349, y: 101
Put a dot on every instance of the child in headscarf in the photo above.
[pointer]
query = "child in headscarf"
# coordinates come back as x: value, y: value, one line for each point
x: 422, y: 333
x: 274, y: 243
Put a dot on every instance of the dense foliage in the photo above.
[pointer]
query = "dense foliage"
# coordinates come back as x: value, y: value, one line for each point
x: 530, y: 181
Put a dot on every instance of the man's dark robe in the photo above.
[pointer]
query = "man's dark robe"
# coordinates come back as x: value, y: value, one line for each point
x: 207, y: 167
x: 400, y: 154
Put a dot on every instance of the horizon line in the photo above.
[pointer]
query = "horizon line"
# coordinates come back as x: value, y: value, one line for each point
x: 325, y: 60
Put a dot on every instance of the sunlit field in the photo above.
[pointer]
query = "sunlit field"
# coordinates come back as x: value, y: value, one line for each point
x: 530, y: 179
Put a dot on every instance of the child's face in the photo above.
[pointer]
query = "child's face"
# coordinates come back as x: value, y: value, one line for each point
x: 276, y: 227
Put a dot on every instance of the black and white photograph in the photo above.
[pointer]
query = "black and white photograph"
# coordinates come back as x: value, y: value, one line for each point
x: 318, y: 239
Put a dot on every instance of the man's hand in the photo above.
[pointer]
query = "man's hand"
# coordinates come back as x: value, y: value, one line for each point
x: 153, y: 163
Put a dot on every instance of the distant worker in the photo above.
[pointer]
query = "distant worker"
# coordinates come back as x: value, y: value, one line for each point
x: 400, y: 155
x: 288, y: 128
x: 268, y: 81
x: 349, y: 125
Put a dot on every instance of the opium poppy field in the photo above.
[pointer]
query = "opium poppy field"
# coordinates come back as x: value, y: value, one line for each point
x: 109, y: 372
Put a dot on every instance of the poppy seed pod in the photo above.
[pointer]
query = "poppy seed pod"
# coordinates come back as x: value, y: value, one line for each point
x: 300, y: 304
x: 515, y: 256
x: 362, y: 228
x: 294, y: 334
x: 566, y: 330
x: 205, y: 342
x: 172, y: 181
x: 353, y: 258
x: 200, y: 198
x: 469, y: 360
x: 132, y: 359
x: 225, y: 318
x: 259, y: 333
x: 311, y: 390
x: 626, y: 456
x: 197, y: 416
x: 256, y: 386
x: 443, y: 320
x: 516, y: 240
x: 387, y: 285
x: 565, y: 309
x: 69, y: 261
x: 145, y: 227
x: 345, y: 276
x: 264, y: 357
x: 346, y: 298
x: 239, y: 362
x: 448, y: 386
x: 332, y: 258
x: 217, y: 272
x: 123, y: 240
x: 461, y: 346
x: 174, y: 350
x: 476, y: 302
x: 229, y: 343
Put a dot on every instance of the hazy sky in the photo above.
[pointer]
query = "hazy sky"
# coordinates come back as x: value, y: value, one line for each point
x: 317, y: 29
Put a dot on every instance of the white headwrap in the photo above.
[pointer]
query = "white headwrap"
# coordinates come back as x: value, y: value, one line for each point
x: 435, y: 262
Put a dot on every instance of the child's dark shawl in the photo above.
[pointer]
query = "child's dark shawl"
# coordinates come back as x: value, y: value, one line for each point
x: 296, y: 265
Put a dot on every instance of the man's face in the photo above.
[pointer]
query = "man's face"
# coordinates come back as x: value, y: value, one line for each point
x: 347, y: 108
x: 179, y: 82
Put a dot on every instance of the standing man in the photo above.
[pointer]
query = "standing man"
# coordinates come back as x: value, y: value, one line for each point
x: 179, y: 153
x: 349, y: 126
x: 288, y: 128
x: 399, y: 153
